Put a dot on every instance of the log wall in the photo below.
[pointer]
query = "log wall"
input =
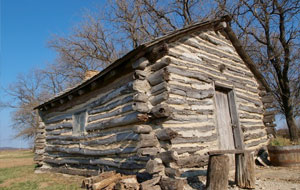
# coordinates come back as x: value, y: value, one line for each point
x: 185, y: 79
x: 110, y: 138
x: 164, y: 107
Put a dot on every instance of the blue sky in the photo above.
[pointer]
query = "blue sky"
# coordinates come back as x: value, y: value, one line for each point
x: 25, y: 28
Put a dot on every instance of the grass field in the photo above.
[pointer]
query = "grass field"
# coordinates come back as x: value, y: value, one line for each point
x: 17, y: 172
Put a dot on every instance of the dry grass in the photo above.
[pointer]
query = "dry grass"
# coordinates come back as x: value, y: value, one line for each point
x: 17, y: 172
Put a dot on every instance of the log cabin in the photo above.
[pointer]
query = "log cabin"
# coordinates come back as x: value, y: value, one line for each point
x: 177, y: 97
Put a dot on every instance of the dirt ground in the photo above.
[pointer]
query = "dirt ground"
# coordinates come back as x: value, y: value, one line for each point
x: 278, y: 178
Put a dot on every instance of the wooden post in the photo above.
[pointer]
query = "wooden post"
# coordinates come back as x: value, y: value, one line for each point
x: 245, y: 174
x: 217, y: 172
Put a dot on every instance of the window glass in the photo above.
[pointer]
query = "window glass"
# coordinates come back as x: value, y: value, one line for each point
x: 79, y: 123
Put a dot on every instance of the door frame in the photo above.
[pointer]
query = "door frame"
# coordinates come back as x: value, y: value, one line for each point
x: 238, y: 136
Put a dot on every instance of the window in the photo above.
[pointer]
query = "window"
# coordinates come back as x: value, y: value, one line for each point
x: 79, y: 120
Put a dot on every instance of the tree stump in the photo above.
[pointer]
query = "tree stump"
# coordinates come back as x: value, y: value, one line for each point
x: 217, y: 172
x: 245, y: 174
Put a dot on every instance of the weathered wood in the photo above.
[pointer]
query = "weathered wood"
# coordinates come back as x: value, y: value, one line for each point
x: 154, y: 100
x: 142, y: 129
x: 148, y: 143
x: 125, y: 89
x: 245, y: 174
x: 168, y: 157
x: 116, y: 112
x: 71, y: 171
x: 119, y: 137
x: 167, y: 183
x: 166, y: 134
x: 190, y: 74
x: 161, y: 64
x: 105, y: 182
x: 141, y: 63
x: 109, y: 123
x: 90, y: 152
x: 179, y: 140
x: 112, y: 105
x: 64, y: 125
x: 129, y: 182
x: 234, y: 151
x: 141, y: 107
x: 172, y: 172
x: 159, y: 88
x: 158, y: 77
x: 192, y: 161
x: 152, y: 151
x: 147, y: 185
x: 157, y: 52
x: 161, y: 110
x: 237, y: 132
x: 190, y: 92
x: 141, y: 86
x: 251, y: 109
x: 139, y: 74
x: 217, y: 172
x: 140, y: 97
x: 250, y: 136
x: 154, y: 166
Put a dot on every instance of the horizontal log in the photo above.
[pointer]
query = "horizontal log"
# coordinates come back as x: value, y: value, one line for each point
x: 196, y: 43
x: 161, y: 64
x: 58, y: 118
x: 201, y: 129
x: 119, y: 137
x: 152, y: 151
x: 154, y: 100
x: 192, y: 161
x: 255, y: 143
x: 159, y: 88
x: 125, y: 89
x: 158, y: 77
x: 80, y: 172
x: 142, y: 129
x: 116, y: 112
x: 58, y: 132
x: 117, y: 121
x: 112, y: 105
x: 190, y: 150
x: 272, y: 112
x: 251, y: 128
x: 256, y: 102
x: 148, y: 143
x: 190, y: 74
x: 180, y: 140
x: 89, y: 152
x: 251, y: 109
x: 190, y: 92
x: 249, y: 136
x: 64, y: 125
x: 249, y: 116
x: 233, y: 151
x: 166, y: 134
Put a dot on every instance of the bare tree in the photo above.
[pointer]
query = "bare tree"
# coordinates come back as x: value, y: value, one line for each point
x: 270, y: 33
x: 25, y: 94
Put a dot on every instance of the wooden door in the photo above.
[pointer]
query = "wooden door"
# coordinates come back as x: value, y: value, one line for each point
x: 224, y: 125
